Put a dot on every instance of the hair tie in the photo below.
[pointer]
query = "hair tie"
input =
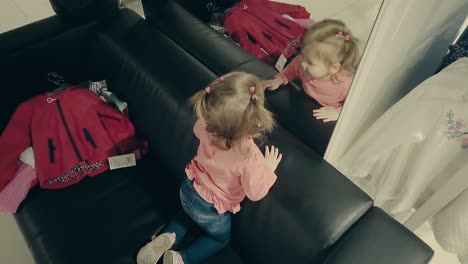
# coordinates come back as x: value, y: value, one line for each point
x: 208, y: 89
x: 325, y: 20
x: 339, y: 34
x: 252, y: 91
x: 221, y: 78
x: 348, y: 37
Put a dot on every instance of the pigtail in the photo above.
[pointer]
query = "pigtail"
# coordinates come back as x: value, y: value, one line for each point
x: 199, y: 103
x: 259, y: 120
x: 351, y: 54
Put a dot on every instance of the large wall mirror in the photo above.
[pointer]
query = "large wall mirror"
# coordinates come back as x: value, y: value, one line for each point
x: 329, y: 58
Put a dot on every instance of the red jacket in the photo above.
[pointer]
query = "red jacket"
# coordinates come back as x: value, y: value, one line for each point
x: 72, y: 132
x: 259, y: 24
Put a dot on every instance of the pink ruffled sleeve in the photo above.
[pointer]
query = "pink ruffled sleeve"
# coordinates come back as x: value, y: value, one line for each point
x: 257, y: 179
x: 292, y: 71
x: 346, y: 79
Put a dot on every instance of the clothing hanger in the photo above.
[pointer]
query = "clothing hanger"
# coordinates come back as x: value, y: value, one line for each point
x: 58, y: 80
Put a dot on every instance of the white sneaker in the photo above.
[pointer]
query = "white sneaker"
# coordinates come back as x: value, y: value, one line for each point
x: 152, y: 252
x: 172, y: 257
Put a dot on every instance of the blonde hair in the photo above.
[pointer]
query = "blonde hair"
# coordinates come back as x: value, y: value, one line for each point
x: 231, y: 112
x: 332, y: 41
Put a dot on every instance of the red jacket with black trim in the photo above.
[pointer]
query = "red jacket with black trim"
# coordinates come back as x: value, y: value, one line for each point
x: 72, y: 132
x: 259, y: 27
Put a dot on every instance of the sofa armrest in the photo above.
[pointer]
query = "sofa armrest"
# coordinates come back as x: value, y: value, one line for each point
x: 378, y: 238
x: 26, y: 36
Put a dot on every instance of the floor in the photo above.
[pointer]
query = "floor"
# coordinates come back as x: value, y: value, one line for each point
x: 441, y: 256
x: 16, y: 13
x: 13, y: 248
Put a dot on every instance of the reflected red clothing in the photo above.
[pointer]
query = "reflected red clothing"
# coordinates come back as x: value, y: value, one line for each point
x: 259, y: 27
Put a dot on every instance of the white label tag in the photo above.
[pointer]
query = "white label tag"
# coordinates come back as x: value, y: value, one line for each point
x: 281, y: 62
x: 122, y: 161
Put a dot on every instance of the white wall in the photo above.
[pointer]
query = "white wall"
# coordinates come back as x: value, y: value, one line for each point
x: 406, y: 46
x: 13, y: 248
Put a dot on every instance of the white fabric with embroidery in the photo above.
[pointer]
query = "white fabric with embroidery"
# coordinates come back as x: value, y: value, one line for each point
x: 416, y: 146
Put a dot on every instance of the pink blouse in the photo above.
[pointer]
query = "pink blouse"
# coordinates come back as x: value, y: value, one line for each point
x: 225, y: 177
x: 326, y: 92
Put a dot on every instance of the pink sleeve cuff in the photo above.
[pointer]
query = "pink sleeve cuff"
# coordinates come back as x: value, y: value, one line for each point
x: 257, y: 179
x: 283, y: 78
x: 270, y: 177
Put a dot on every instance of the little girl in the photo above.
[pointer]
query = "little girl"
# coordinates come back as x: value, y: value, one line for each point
x: 326, y: 67
x: 227, y: 168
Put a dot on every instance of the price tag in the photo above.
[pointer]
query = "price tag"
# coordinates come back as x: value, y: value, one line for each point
x: 281, y: 62
x: 122, y: 161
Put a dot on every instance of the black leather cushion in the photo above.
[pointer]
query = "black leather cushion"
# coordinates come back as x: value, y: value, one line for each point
x: 214, y: 50
x: 373, y: 239
x: 199, y: 7
x: 84, y: 10
x: 293, y: 109
x: 204, y: 9
x: 25, y: 37
x: 307, y: 210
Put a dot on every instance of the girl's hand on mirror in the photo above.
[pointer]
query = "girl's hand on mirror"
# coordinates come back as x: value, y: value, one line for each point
x: 327, y: 114
x: 272, y: 84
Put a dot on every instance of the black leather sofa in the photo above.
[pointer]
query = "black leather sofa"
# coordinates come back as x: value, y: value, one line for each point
x: 313, y: 214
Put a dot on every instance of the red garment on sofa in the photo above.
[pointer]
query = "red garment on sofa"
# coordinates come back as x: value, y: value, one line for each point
x: 72, y: 132
x: 259, y: 27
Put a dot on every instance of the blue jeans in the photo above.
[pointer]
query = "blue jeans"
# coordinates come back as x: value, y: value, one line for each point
x: 216, y: 227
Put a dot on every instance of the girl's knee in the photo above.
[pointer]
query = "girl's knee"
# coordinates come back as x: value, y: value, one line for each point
x: 222, y: 239
x: 226, y: 239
